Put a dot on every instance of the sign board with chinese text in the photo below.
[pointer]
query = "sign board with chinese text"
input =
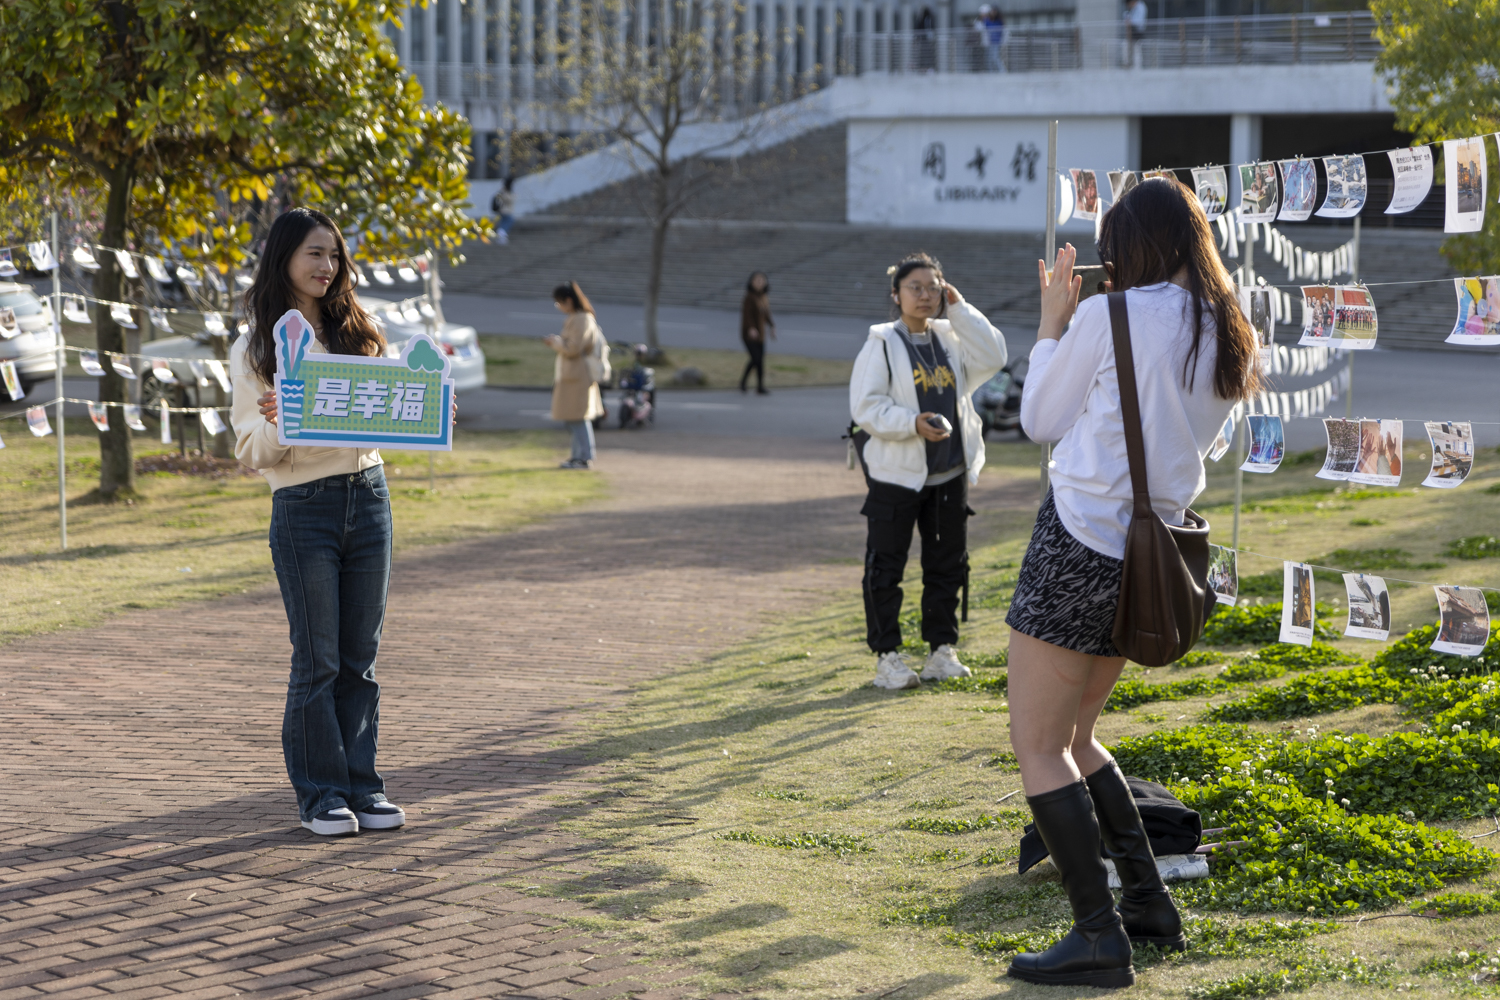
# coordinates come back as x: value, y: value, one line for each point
x: 349, y: 401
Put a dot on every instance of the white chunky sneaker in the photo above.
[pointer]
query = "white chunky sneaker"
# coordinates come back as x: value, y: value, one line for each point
x: 942, y: 663
x: 380, y: 816
x: 893, y: 673
x: 338, y: 822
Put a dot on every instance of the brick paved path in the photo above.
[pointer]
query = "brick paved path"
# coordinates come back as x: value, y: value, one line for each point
x: 149, y: 846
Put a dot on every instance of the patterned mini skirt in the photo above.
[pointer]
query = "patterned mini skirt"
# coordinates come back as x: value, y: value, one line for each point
x: 1067, y: 592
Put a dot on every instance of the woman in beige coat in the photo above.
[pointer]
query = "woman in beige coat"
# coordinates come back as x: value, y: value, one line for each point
x: 575, y: 394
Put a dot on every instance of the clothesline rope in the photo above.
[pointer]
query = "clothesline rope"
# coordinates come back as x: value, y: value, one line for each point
x: 91, y: 402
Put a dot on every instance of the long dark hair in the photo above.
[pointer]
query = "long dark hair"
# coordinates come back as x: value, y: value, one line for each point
x: 1155, y: 230
x: 572, y: 293
x: 750, y: 288
x: 347, y: 328
x: 911, y: 262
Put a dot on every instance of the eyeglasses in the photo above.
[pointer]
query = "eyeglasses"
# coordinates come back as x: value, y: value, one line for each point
x: 921, y: 291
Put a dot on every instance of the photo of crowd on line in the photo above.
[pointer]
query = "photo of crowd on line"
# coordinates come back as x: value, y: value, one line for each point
x: 1354, y: 319
x: 1379, y: 462
x: 1211, y: 184
x: 1369, y: 607
x: 1478, y: 319
x: 1317, y: 315
x: 1343, y: 448
x: 1465, y: 621
x: 1223, y: 575
x: 1267, y: 443
x: 1452, y: 453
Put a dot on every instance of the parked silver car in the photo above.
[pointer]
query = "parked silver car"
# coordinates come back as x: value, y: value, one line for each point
x: 461, y: 343
x: 33, y: 346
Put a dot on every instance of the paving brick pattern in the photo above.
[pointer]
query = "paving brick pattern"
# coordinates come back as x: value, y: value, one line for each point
x: 149, y: 846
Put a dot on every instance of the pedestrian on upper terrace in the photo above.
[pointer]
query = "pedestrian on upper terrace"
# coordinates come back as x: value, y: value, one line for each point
x: 922, y: 446
x: 1195, y: 355
x: 756, y: 326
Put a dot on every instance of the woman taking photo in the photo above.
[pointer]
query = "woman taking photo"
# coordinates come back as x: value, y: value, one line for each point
x: 575, y: 394
x: 1195, y: 356
x: 910, y: 394
x: 330, y: 533
x: 756, y: 326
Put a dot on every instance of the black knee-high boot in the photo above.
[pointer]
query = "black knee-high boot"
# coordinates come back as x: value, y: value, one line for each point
x: 1096, y: 951
x: 1146, y: 907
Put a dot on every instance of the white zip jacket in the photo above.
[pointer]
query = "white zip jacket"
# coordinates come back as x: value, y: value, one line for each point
x: 883, y: 394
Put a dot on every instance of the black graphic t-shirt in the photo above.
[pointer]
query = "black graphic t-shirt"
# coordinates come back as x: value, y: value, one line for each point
x: 937, y: 392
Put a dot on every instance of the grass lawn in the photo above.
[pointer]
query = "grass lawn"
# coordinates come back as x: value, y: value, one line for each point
x: 195, y: 537
x: 526, y: 361
x: 789, y: 830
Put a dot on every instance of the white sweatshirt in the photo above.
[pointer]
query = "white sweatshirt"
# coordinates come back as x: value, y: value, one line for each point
x: 1072, y: 397
x: 883, y: 394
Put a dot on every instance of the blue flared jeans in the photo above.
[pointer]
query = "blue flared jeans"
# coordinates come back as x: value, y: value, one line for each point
x: 331, y: 545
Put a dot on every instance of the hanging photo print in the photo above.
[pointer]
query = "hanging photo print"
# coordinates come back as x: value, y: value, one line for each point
x: 1299, y: 182
x: 1255, y: 303
x: 216, y: 369
x: 1066, y: 197
x: 1297, y: 603
x: 1464, y: 621
x: 211, y: 421
x: 1121, y: 181
x: 1221, y: 443
x: 1166, y: 175
x: 163, y: 371
x: 8, y: 267
x: 41, y: 256
x: 1478, y: 320
x: 12, y: 379
x: 1267, y: 443
x: 1354, y: 321
x: 1086, y: 194
x: 1258, y: 192
x: 1452, y: 453
x: 1464, y: 169
x: 1343, y: 448
x: 127, y: 265
x: 1379, y: 462
x: 1369, y: 607
x: 99, y: 414
x: 1212, y: 187
x: 75, y: 309
x: 1413, y: 171
x: 1317, y: 316
x: 121, y: 365
x: 36, y: 419
x: 1223, y: 575
x: 120, y: 313
x: 133, y: 417
x: 8, y: 325
x: 1347, y: 187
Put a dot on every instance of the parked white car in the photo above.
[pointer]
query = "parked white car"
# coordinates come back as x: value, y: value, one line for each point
x: 33, y: 346
x: 461, y: 343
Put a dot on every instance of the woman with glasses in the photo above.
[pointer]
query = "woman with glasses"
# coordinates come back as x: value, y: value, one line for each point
x: 922, y: 446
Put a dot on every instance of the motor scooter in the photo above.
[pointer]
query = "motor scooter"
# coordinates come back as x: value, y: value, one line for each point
x: 638, y: 392
x: 998, y: 401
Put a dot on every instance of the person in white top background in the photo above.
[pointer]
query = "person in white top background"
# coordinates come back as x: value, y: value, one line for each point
x: 1195, y: 357
x: 921, y: 445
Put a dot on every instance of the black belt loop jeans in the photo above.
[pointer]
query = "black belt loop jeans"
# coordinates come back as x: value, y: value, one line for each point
x: 940, y: 515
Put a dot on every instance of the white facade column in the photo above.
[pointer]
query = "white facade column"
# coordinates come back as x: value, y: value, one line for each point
x: 830, y: 41
x: 622, y: 22
x: 765, y: 48
x: 866, y: 36
x: 528, y: 51
x: 728, y: 59
x: 549, y: 46
x: 642, y: 30
x: 575, y: 44
x: 502, y: 60
x: 430, y: 47
x: 888, y: 35
x: 479, y: 38
x: 788, y: 48
x: 403, y: 41
x: 1101, y: 34
x: 805, y: 17
x: 908, y: 37
x: 455, y: 28
x: 943, y: 41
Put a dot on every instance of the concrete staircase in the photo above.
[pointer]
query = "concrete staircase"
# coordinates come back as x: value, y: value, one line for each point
x: 781, y: 211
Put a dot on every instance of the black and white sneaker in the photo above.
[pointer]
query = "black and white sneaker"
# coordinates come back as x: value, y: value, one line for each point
x: 381, y: 816
x: 338, y: 822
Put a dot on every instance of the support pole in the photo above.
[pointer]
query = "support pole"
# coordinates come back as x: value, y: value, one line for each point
x: 434, y: 299
x: 1051, y: 255
x: 1241, y: 430
x: 62, y: 362
x: 1354, y: 273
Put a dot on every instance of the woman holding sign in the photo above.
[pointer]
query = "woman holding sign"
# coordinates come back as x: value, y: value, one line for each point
x: 330, y: 533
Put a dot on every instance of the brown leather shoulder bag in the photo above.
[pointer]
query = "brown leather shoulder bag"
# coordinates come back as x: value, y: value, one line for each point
x: 1164, y: 595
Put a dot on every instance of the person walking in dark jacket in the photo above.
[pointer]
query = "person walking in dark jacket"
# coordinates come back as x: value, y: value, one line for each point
x: 756, y: 325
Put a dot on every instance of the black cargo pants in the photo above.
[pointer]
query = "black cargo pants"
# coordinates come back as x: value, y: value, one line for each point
x: 940, y: 515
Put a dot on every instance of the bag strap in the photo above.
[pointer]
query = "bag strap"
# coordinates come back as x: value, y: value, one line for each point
x: 1130, y: 403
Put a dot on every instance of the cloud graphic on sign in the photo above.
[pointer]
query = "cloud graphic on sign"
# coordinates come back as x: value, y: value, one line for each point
x: 424, y: 357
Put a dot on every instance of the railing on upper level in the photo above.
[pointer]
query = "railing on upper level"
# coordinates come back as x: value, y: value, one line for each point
x: 758, y: 73
x: 1165, y: 44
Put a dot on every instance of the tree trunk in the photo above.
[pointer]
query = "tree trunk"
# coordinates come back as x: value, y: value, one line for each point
x: 659, y: 222
x: 116, y: 458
